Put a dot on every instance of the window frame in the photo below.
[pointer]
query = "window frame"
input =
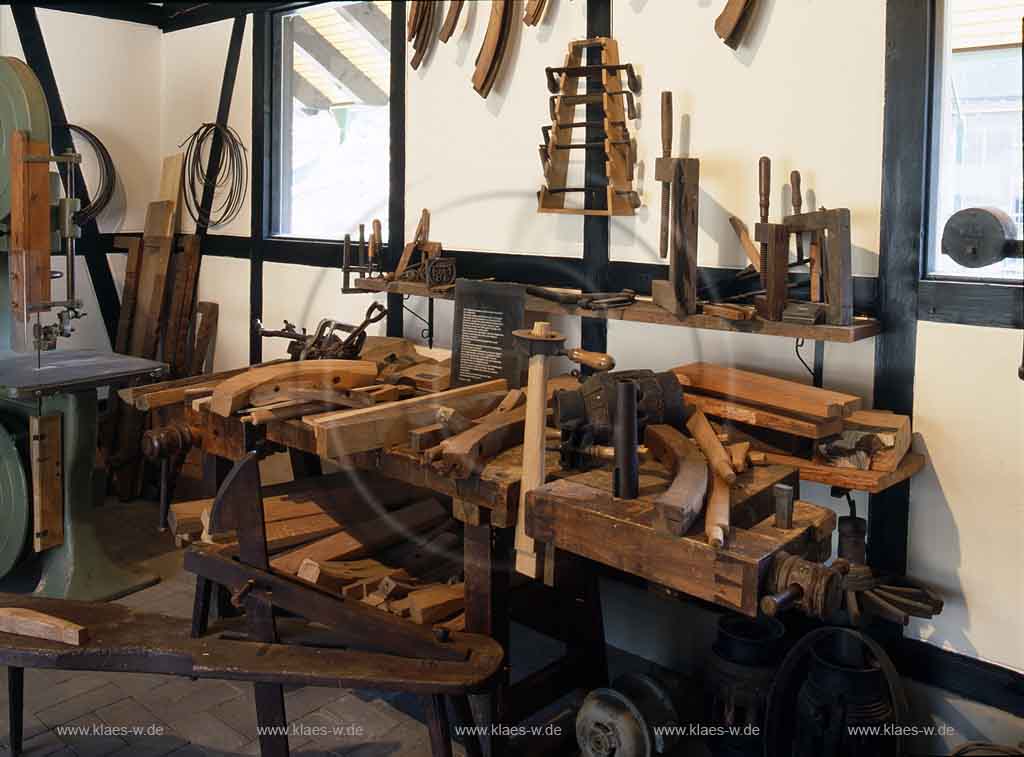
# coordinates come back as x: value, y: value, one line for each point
x: 303, y: 250
x: 947, y: 299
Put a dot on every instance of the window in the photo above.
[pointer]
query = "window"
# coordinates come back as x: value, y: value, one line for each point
x: 330, y: 145
x: 979, y: 147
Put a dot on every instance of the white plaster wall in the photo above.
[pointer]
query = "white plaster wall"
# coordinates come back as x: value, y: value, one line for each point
x: 124, y: 113
x: 474, y: 162
x: 810, y: 101
x: 108, y: 74
x: 967, y: 507
x: 190, y: 82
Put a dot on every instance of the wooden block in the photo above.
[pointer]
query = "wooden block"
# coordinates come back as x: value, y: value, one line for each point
x: 465, y: 511
x: 29, y: 227
x: 738, y: 455
x: 810, y: 428
x: 24, y: 622
x: 361, y: 539
x: 350, y: 431
x: 429, y: 377
x: 46, y: 451
x: 899, y: 425
x: 266, y: 381
x: 682, y: 503
x: 435, y: 603
x: 766, y: 391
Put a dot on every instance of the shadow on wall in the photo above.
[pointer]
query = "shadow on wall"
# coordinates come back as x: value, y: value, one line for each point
x: 943, y: 569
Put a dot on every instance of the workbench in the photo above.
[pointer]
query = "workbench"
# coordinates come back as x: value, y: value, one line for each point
x: 593, y: 527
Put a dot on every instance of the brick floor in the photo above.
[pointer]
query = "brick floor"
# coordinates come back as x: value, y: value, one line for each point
x: 136, y: 715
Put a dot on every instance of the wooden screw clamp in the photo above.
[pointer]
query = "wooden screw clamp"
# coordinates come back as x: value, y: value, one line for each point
x: 540, y: 343
x: 813, y: 588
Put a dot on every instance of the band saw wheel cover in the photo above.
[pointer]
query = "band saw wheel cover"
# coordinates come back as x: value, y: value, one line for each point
x: 22, y: 107
x: 15, y: 506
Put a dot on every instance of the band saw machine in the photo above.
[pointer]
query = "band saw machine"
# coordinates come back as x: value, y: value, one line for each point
x: 48, y: 395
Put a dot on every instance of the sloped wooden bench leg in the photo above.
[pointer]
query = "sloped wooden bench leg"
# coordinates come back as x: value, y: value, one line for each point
x: 437, y: 724
x: 16, y: 704
x: 464, y: 716
x: 271, y: 719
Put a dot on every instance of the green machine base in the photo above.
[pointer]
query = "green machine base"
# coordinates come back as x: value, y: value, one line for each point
x: 79, y: 568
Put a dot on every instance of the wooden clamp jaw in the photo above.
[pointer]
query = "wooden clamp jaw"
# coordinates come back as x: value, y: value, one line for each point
x: 678, y: 294
x: 830, y: 232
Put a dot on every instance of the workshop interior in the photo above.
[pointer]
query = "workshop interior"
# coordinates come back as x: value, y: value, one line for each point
x: 597, y: 378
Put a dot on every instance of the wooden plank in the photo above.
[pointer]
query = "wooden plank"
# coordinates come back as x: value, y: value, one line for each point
x: 208, y: 314
x: 22, y: 621
x: 350, y: 431
x: 179, y: 318
x: 434, y: 603
x: 46, y: 454
x: 129, y: 295
x: 872, y: 481
x: 727, y: 25
x: 29, y: 259
x: 887, y: 459
x: 170, y: 190
x: 235, y: 393
x: 362, y: 538
x: 152, y: 292
x: 768, y: 391
x: 148, y: 397
x: 810, y: 428
x: 291, y: 533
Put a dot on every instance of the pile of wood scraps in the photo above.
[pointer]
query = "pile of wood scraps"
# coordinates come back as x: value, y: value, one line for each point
x: 824, y: 433
x: 361, y: 536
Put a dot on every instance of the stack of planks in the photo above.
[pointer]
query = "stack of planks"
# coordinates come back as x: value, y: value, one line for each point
x: 824, y: 433
x: 159, y: 318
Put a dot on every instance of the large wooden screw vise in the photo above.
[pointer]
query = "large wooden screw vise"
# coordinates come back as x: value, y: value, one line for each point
x: 831, y: 287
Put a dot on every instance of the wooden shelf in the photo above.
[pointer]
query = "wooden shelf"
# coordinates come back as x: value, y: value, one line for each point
x: 645, y: 311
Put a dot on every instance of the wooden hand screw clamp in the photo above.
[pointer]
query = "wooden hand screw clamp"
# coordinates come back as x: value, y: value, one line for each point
x: 540, y: 343
x: 679, y: 179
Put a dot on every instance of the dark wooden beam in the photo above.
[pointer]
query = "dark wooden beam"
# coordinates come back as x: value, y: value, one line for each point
x: 370, y: 19
x: 594, y: 331
x: 341, y: 68
x: 262, y: 121
x: 151, y: 14
x: 905, y: 148
x: 396, y: 173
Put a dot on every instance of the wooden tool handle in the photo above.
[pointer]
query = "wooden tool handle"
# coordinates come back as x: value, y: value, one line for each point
x: 764, y: 185
x: 666, y: 124
x: 598, y: 361
x: 376, y: 239
x: 794, y: 182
